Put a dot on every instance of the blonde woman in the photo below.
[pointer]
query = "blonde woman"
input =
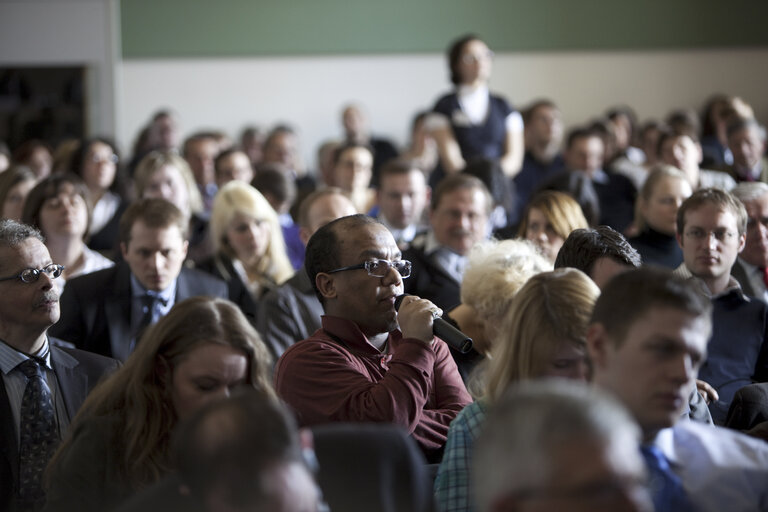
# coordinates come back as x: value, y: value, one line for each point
x: 494, y: 273
x: 249, y: 251
x: 119, y: 442
x: 549, y: 218
x: 656, y: 216
x: 543, y: 334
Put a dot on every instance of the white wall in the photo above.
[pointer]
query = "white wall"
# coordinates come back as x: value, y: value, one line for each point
x: 309, y: 92
x: 68, y: 32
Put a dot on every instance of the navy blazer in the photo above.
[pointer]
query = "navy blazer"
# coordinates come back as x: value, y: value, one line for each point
x: 77, y: 373
x: 96, y: 307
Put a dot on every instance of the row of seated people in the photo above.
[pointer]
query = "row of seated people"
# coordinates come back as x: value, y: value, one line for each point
x: 643, y: 339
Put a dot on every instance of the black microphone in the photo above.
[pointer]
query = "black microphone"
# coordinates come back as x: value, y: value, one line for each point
x: 455, y: 339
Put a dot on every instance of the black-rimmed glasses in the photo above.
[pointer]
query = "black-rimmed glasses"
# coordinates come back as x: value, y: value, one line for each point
x: 31, y: 275
x: 380, y: 268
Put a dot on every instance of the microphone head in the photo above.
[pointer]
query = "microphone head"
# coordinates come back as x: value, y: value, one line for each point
x: 399, y: 300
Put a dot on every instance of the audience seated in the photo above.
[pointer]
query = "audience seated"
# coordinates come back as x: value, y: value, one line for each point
x: 238, y: 454
x: 59, y: 207
x: 200, y: 150
x: 495, y: 272
x: 36, y: 155
x: 160, y: 134
x: 458, y: 219
x: 656, y: 217
x: 711, y: 227
x: 647, y: 339
x: 749, y: 269
x: 281, y: 147
x: 566, y: 448
x: 746, y: 141
x: 498, y: 185
x: 714, y: 139
x: 548, y: 220
x: 683, y: 151
x: 120, y: 442
x: 543, y: 157
x: 106, y: 311
x: 368, y: 362
x: 15, y: 184
x: 280, y: 192
x: 616, y: 194
x: 649, y: 143
x: 165, y: 175
x: 230, y: 165
x: 601, y: 253
x: 252, y: 144
x: 423, y: 148
x: 352, y: 168
x: 542, y: 334
x: 357, y: 130
x: 96, y: 162
x: 292, y: 311
x: 627, y: 159
x: 42, y: 385
x: 401, y: 199
x: 249, y: 251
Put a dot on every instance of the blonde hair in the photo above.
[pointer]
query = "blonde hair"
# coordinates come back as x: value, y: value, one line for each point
x: 238, y: 197
x: 155, y: 161
x: 139, y: 395
x: 560, y: 209
x: 551, y: 308
x: 658, y: 173
x: 495, y: 272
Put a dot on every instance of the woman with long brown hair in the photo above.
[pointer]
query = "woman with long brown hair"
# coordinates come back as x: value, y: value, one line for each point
x: 119, y: 442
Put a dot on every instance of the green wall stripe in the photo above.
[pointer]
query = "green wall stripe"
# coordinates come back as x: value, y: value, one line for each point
x: 240, y: 28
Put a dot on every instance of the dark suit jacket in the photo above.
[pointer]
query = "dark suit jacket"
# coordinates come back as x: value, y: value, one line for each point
x: 77, y: 372
x: 428, y: 280
x: 749, y: 407
x: 740, y: 274
x: 96, y: 308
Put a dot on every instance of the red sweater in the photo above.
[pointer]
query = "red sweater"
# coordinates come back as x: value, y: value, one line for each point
x: 349, y: 380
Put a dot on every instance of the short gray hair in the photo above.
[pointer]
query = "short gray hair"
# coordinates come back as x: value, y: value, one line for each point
x: 13, y: 233
x: 750, y: 191
x: 513, y: 451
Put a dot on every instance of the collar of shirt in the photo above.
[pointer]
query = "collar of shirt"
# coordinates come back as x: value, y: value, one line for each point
x: 138, y: 292
x: 600, y: 177
x: 474, y: 102
x: 732, y: 287
x: 349, y: 334
x: 10, y: 358
x: 400, y: 235
x: 664, y: 441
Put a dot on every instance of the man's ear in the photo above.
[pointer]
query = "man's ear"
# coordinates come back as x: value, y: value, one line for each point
x: 124, y: 249
x: 742, y: 241
x: 679, y: 238
x: 326, y: 285
x: 597, y: 344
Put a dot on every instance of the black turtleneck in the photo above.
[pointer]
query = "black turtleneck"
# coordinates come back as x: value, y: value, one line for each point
x: 657, y: 248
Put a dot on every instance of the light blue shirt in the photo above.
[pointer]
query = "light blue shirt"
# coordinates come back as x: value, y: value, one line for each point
x: 720, y: 469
